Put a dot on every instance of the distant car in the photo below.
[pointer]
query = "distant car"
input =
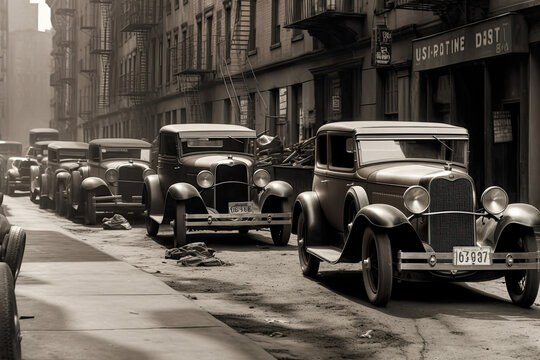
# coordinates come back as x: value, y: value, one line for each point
x: 63, y: 158
x: 113, y: 179
x: 7, y: 150
x: 17, y: 176
x: 39, y: 152
x: 207, y: 180
x: 42, y: 134
x: 396, y: 198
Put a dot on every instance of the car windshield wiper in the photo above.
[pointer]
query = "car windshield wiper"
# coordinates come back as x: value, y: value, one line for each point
x: 443, y: 143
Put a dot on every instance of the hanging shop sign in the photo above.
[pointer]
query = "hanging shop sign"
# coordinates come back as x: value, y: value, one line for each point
x: 381, y: 46
x: 496, y: 36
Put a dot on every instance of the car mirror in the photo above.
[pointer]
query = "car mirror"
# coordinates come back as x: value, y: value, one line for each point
x: 349, y: 146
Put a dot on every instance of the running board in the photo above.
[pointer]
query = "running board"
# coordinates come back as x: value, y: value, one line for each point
x: 329, y: 254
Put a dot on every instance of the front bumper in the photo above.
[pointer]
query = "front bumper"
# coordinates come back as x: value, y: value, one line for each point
x: 19, y: 184
x: 232, y: 221
x: 433, y: 261
x: 116, y: 202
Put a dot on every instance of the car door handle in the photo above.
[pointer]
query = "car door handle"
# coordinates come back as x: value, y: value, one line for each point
x: 324, y: 181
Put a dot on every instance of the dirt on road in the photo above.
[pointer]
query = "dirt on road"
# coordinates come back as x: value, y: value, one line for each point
x: 262, y: 294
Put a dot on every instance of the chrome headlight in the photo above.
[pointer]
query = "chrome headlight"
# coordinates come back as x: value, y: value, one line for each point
x: 494, y: 200
x: 261, y: 178
x: 416, y: 199
x: 111, y: 175
x: 148, y: 172
x: 205, y: 179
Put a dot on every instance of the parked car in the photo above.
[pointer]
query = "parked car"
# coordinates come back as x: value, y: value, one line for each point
x: 7, y: 149
x: 63, y: 158
x: 113, y: 179
x: 39, y: 152
x: 396, y: 198
x: 207, y: 180
x: 17, y: 174
x: 42, y: 134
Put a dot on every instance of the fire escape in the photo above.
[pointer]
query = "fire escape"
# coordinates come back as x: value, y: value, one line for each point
x: 139, y: 18
x: 452, y: 12
x: 235, y: 67
x: 333, y: 22
x: 101, y: 50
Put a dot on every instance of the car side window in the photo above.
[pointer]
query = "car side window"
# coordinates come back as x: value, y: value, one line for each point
x: 340, y: 155
x: 94, y: 153
x: 322, y: 153
x: 53, y: 155
x: 167, y: 144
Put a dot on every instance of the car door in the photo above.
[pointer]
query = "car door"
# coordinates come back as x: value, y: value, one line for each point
x: 169, y: 169
x: 320, y: 180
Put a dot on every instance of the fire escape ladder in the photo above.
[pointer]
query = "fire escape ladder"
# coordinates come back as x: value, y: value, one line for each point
x: 190, y: 85
x: 140, y: 76
x: 105, y: 55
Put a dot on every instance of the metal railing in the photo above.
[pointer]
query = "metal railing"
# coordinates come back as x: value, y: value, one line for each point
x: 298, y: 10
x: 100, y: 43
x: 193, y: 55
x: 133, y: 84
x: 138, y: 15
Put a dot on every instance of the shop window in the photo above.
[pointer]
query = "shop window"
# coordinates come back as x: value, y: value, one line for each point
x: 390, y: 95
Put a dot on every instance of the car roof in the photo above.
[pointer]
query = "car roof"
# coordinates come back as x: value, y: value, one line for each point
x: 209, y: 130
x: 9, y: 142
x: 394, y: 128
x: 74, y: 145
x: 43, y: 130
x: 121, y: 142
x: 43, y: 143
x: 22, y: 158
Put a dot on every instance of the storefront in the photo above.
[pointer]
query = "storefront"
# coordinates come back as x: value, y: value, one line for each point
x: 476, y: 76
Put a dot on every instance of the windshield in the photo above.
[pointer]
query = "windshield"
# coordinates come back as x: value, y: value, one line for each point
x: 68, y: 154
x: 125, y: 153
x: 236, y: 145
x: 10, y: 149
x: 435, y: 148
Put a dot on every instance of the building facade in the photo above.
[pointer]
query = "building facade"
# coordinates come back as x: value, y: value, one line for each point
x: 3, y: 66
x: 285, y: 67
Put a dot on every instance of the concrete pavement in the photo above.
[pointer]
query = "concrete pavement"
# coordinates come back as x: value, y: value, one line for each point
x: 77, y: 302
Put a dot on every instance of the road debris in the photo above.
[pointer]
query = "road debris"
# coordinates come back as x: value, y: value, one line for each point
x: 194, y: 254
x: 116, y: 222
x: 367, y: 334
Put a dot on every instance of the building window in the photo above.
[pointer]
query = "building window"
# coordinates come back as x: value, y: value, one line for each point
x: 209, y: 38
x: 175, y: 56
x: 275, y: 23
x: 160, y: 63
x: 252, y: 25
x: 228, y: 32
x: 390, y: 95
x: 199, y: 44
x: 218, y: 36
x: 176, y: 4
x: 169, y: 6
x: 168, y: 60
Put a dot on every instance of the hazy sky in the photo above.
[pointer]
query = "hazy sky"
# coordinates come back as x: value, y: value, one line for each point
x: 44, y: 15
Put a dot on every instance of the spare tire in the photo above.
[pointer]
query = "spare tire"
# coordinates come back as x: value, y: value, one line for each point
x: 10, y: 329
x: 15, y: 250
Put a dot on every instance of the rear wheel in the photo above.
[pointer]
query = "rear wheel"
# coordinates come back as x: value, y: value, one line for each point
x: 281, y: 233
x: 10, y: 330
x: 180, y: 237
x: 377, y: 266
x: 60, y: 201
x: 33, y: 195
x: 15, y: 250
x: 308, y: 263
x: 152, y: 227
x: 70, y: 212
x: 522, y: 285
x: 90, y: 209
x: 42, y: 201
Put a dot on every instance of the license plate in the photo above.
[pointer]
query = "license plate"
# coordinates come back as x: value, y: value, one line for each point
x: 245, y: 207
x: 472, y: 255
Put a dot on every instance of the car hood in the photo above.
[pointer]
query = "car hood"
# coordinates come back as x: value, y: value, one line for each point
x: 407, y: 174
x: 70, y: 165
x: 115, y: 164
x: 209, y: 161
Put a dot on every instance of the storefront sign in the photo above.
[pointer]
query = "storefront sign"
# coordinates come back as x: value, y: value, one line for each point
x: 496, y: 36
x: 502, y: 126
x: 381, y: 47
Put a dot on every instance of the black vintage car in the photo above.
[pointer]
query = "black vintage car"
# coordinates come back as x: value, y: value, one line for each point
x: 207, y: 180
x: 38, y: 151
x: 17, y: 174
x: 42, y: 134
x: 7, y: 150
x: 112, y: 181
x: 396, y: 197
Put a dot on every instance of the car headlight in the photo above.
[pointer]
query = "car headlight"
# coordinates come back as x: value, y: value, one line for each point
x: 205, y: 179
x: 494, y: 200
x: 261, y: 178
x: 416, y: 199
x: 111, y: 175
x: 148, y: 172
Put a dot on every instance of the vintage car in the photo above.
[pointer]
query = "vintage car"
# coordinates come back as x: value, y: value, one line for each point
x: 206, y: 180
x: 64, y: 157
x: 38, y: 151
x: 42, y: 134
x: 113, y: 179
x: 17, y: 174
x: 7, y: 150
x: 397, y: 198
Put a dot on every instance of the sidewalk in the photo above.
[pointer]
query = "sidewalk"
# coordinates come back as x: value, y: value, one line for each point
x: 77, y: 302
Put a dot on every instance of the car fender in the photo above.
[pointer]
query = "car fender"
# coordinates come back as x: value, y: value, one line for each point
x: 152, y: 196
x: 275, y: 190
x: 358, y: 195
x: 98, y: 185
x: 489, y: 231
x: 44, y: 189
x: 76, y: 182
x: 308, y: 204
x: 62, y: 177
x: 13, y: 173
x: 183, y: 192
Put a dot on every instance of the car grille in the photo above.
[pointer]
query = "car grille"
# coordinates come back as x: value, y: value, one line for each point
x: 24, y: 170
x: 130, y: 182
x: 230, y: 192
x: 449, y: 230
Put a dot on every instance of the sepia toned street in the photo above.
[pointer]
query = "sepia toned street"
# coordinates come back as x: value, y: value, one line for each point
x: 263, y: 295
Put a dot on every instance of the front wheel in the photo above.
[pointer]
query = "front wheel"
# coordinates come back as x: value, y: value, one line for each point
x: 152, y: 227
x: 308, y: 263
x: 15, y: 250
x: 180, y: 237
x: 90, y: 209
x: 60, y: 202
x: 10, y: 331
x: 33, y: 195
x: 377, y: 266
x: 42, y: 201
x: 522, y: 285
x: 281, y: 233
